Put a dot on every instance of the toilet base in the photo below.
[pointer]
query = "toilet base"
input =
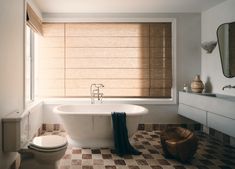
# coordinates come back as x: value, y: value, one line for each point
x: 31, y: 163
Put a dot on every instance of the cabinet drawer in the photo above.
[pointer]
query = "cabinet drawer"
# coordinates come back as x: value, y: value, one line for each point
x: 192, y: 113
x: 222, y: 124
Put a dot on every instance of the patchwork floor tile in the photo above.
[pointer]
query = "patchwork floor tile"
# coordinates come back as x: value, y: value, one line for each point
x: 211, y: 154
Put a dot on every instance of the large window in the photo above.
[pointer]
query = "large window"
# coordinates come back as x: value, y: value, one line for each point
x: 130, y: 59
x: 33, y: 28
x: 29, y: 65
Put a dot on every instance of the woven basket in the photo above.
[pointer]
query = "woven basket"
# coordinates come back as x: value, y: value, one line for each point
x: 179, y: 143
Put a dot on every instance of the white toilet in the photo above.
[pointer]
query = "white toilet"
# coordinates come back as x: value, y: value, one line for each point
x: 46, y: 151
x: 42, y: 152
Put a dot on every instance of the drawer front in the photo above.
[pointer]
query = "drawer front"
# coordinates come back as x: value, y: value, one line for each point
x: 192, y: 113
x: 222, y: 124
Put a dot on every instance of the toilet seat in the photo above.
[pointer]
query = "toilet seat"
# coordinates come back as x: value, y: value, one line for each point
x: 47, y: 150
x: 48, y: 143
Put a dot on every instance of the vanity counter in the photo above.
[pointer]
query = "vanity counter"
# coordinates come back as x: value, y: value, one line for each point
x: 216, y: 111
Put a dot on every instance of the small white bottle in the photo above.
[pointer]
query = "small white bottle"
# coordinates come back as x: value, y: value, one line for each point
x: 185, y: 89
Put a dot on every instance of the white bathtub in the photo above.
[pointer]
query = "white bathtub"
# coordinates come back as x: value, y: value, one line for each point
x: 91, y: 125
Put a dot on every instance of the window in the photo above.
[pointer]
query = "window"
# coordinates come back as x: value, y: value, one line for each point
x: 32, y: 29
x: 29, y: 65
x: 131, y: 59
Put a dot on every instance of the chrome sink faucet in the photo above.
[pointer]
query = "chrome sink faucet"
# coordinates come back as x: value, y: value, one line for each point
x: 95, y: 91
x: 228, y: 86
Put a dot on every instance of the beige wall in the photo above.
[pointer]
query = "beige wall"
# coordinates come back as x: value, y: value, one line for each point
x: 11, y: 64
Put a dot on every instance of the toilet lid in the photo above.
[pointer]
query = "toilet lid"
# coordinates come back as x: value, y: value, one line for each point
x: 49, y: 142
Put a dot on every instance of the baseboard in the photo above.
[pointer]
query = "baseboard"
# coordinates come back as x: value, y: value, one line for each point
x: 151, y: 127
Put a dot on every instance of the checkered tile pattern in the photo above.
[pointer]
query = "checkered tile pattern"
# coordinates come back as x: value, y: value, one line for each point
x: 210, y: 155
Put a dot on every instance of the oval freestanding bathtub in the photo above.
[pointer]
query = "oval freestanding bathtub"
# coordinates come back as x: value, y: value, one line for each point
x: 91, y: 125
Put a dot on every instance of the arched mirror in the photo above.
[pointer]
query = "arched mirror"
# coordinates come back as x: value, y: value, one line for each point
x: 226, y: 42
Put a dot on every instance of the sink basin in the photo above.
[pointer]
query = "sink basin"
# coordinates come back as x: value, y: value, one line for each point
x: 209, y: 94
x: 219, y: 96
x: 226, y: 97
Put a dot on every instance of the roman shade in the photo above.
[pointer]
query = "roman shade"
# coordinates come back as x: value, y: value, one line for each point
x: 32, y: 20
x: 130, y: 59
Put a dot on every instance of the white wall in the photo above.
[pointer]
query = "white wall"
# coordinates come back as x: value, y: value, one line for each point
x: 211, y: 65
x: 11, y: 64
x: 163, y: 114
x: 35, y: 119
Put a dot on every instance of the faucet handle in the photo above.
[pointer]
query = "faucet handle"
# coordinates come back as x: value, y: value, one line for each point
x: 228, y: 86
x: 99, y: 85
x: 101, y: 97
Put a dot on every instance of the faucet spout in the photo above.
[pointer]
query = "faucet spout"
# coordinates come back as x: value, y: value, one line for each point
x: 228, y: 86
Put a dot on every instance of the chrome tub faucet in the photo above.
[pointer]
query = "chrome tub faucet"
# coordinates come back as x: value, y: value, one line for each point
x: 95, y: 91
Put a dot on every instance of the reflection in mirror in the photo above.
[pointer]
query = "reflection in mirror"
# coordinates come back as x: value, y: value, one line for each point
x: 226, y: 41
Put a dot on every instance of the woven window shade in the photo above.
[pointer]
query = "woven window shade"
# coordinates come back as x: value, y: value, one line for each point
x: 160, y: 60
x: 33, y: 21
x: 131, y: 60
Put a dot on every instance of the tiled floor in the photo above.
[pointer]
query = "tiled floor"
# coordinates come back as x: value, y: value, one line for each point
x: 210, y: 155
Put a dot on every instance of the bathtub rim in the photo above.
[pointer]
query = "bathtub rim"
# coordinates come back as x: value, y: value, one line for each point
x: 106, y: 113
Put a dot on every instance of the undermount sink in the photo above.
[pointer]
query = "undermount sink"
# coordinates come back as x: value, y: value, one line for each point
x: 226, y: 97
x: 209, y: 94
x: 218, y: 96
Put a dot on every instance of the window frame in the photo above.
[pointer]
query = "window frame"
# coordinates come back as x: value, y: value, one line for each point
x: 173, y: 99
x: 152, y: 80
x: 31, y: 66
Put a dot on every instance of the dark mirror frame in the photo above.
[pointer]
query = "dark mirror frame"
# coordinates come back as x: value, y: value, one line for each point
x: 220, y: 52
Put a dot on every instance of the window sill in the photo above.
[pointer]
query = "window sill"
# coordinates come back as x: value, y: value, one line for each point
x: 30, y: 105
x: 109, y: 101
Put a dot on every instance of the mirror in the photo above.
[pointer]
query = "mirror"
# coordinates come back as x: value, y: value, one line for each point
x: 226, y: 42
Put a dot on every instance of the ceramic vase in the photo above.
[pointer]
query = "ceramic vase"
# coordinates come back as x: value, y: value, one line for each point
x: 197, y: 85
